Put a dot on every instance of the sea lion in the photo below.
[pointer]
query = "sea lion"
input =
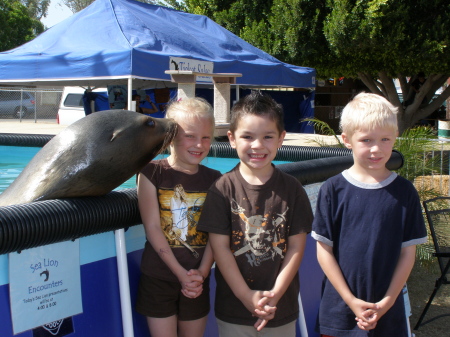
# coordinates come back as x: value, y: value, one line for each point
x: 91, y: 157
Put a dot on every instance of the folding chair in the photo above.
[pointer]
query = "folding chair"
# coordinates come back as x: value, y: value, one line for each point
x: 437, y: 211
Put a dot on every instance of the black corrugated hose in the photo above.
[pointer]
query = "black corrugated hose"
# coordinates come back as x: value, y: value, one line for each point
x: 286, y: 153
x: 50, y: 221
x: 44, y: 222
x: 317, y: 170
x: 12, y: 139
x: 218, y: 149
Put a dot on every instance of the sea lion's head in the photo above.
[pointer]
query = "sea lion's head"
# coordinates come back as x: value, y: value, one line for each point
x: 113, y: 145
x: 91, y: 157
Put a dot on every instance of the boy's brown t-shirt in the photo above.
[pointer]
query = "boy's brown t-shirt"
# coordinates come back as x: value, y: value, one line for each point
x: 181, y: 198
x: 259, y: 220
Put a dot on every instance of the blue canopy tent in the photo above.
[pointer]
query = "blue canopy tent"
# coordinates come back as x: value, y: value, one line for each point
x: 112, y: 41
x: 125, y: 42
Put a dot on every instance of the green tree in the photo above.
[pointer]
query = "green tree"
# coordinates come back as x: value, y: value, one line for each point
x: 38, y: 9
x: 16, y: 25
x: 376, y: 41
x: 175, y: 4
x: 233, y: 15
x: 78, y: 5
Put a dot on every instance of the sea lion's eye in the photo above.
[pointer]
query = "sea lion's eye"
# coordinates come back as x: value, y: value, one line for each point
x: 150, y: 122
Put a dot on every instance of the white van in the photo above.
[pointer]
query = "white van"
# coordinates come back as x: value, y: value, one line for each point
x: 71, y: 106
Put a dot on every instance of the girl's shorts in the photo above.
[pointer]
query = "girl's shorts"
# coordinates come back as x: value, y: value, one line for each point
x: 160, y: 299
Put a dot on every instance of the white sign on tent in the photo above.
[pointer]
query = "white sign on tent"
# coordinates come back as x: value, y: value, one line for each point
x: 185, y: 64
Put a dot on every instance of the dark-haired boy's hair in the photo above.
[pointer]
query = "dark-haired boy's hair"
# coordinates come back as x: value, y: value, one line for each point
x: 259, y: 104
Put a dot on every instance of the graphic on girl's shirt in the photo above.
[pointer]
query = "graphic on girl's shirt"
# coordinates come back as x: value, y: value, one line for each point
x: 180, y: 211
x: 262, y: 238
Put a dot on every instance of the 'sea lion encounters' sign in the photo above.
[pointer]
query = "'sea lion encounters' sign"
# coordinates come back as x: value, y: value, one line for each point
x: 44, y: 285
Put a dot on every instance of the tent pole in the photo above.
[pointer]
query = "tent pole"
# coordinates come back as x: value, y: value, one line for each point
x: 301, y: 318
x: 238, y: 96
x: 130, y: 93
x: 122, y: 265
x: 124, y: 283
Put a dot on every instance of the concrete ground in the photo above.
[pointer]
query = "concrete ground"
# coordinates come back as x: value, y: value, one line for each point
x: 30, y: 127
x: 49, y: 127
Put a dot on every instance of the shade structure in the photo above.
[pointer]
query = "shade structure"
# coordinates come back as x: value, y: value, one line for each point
x: 111, y: 41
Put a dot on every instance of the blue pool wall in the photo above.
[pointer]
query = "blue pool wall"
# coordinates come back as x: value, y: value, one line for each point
x: 100, y: 290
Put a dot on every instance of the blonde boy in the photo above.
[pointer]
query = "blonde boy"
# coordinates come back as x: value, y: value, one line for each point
x: 367, y: 225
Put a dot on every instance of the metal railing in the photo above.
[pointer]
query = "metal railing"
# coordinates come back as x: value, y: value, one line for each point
x: 431, y: 169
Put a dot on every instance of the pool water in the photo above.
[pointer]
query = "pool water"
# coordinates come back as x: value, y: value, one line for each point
x: 13, y: 160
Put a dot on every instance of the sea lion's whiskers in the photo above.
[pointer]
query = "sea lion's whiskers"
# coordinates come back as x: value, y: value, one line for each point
x: 158, y: 166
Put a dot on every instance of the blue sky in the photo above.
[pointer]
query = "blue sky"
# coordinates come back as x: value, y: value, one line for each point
x: 57, y: 12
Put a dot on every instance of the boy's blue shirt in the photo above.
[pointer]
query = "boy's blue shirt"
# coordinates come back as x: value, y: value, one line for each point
x: 367, y: 225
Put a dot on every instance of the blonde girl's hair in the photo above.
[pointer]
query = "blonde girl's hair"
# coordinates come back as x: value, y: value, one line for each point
x: 368, y: 110
x: 191, y: 108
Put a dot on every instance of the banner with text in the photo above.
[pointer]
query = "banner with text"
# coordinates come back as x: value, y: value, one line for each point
x: 44, y: 285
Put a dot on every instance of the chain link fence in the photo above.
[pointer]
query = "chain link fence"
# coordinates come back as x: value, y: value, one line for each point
x: 31, y: 104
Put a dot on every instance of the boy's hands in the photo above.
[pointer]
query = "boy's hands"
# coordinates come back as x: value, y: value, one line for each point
x: 370, y: 317
x: 373, y: 316
x: 366, y: 313
x: 253, y: 298
x: 265, y: 311
x: 370, y: 322
x: 262, y: 305
x: 266, y: 306
x: 405, y: 263
x: 192, y: 283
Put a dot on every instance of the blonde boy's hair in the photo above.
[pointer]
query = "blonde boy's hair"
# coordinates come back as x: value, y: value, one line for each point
x: 368, y: 111
x: 189, y: 108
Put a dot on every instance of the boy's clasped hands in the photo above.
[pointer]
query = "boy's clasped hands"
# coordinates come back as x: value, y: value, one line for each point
x: 367, y: 314
x: 261, y: 304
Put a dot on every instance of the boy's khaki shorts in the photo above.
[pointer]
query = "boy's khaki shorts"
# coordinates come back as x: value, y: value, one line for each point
x: 160, y: 299
x: 236, y: 330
